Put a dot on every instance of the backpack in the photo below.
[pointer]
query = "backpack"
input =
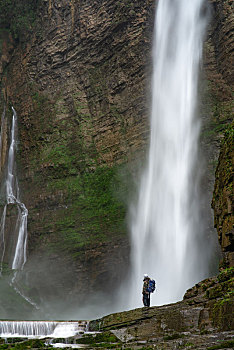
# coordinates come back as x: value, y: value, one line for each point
x: 151, y: 287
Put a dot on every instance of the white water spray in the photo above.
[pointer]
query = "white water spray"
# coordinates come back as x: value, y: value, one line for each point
x: 165, y: 225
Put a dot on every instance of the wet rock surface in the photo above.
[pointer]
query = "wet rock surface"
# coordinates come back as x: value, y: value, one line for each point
x: 203, y: 320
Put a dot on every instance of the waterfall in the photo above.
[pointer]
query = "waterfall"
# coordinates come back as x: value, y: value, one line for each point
x: 2, y: 236
x: 3, y: 218
x: 53, y: 329
x: 12, y: 197
x: 166, y: 227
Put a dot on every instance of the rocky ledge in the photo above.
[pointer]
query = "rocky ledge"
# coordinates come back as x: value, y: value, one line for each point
x: 202, y: 320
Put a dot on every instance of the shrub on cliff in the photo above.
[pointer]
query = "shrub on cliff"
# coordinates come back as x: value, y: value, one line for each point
x: 18, y: 16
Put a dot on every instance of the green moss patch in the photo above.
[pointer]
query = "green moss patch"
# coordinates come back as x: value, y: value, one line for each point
x: 173, y: 336
x: 222, y: 314
x: 95, y: 208
x: 106, y: 340
x: 221, y: 117
x: 28, y: 344
x: 18, y: 16
x: 226, y: 274
x: 222, y: 345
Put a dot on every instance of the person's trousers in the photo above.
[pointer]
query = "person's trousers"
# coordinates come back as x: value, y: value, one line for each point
x: 146, y: 299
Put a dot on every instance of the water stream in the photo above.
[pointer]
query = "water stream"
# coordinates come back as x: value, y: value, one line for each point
x: 166, y: 228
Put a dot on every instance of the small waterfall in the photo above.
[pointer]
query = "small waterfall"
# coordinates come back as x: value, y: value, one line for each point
x: 2, y: 236
x: 52, y: 329
x: 1, y: 135
x: 12, y: 193
x: 12, y: 197
x: 166, y: 230
x: 3, y: 218
x: 21, y: 246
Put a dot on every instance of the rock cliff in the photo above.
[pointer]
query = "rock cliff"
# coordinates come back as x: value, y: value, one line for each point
x: 222, y: 202
x: 78, y: 85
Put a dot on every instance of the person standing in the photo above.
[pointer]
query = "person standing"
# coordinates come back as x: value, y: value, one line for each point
x: 145, y: 292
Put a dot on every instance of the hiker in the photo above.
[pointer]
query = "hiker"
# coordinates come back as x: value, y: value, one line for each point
x: 148, y: 287
x: 146, y: 294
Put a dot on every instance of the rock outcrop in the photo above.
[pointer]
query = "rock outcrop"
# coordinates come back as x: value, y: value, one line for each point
x: 203, y: 320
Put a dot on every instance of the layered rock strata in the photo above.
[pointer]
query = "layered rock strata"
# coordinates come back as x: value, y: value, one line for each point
x: 222, y: 202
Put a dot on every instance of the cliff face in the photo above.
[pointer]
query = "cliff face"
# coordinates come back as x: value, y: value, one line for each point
x: 80, y: 87
x: 222, y: 202
x: 217, y: 112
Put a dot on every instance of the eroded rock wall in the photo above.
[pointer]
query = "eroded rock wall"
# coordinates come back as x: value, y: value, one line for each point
x: 217, y: 112
x: 222, y: 202
x: 79, y: 86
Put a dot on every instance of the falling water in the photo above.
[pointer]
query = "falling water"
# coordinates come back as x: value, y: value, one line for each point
x: 12, y: 197
x: 166, y: 227
x: 3, y: 218
x: 53, y: 329
x: 2, y: 236
x: 12, y: 193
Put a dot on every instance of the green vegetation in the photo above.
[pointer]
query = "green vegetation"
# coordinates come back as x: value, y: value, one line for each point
x: 229, y: 131
x: 226, y: 274
x: 106, y: 340
x: 222, y: 345
x: 220, y: 122
x: 189, y: 345
x: 65, y: 164
x: 18, y: 16
x: 28, y: 344
x: 224, y: 293
x: 96, y: 210
x: 6, y: 270
x: 173, y: 336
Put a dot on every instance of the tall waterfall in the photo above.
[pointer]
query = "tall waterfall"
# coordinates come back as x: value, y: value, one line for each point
x: 12, y: 197
x: 165, y: 224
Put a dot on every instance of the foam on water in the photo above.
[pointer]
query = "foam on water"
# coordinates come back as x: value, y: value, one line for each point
x: 41, y: 329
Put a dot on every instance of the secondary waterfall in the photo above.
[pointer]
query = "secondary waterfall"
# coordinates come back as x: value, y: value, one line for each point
x: 12, y: 197
x: 165, y: 224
